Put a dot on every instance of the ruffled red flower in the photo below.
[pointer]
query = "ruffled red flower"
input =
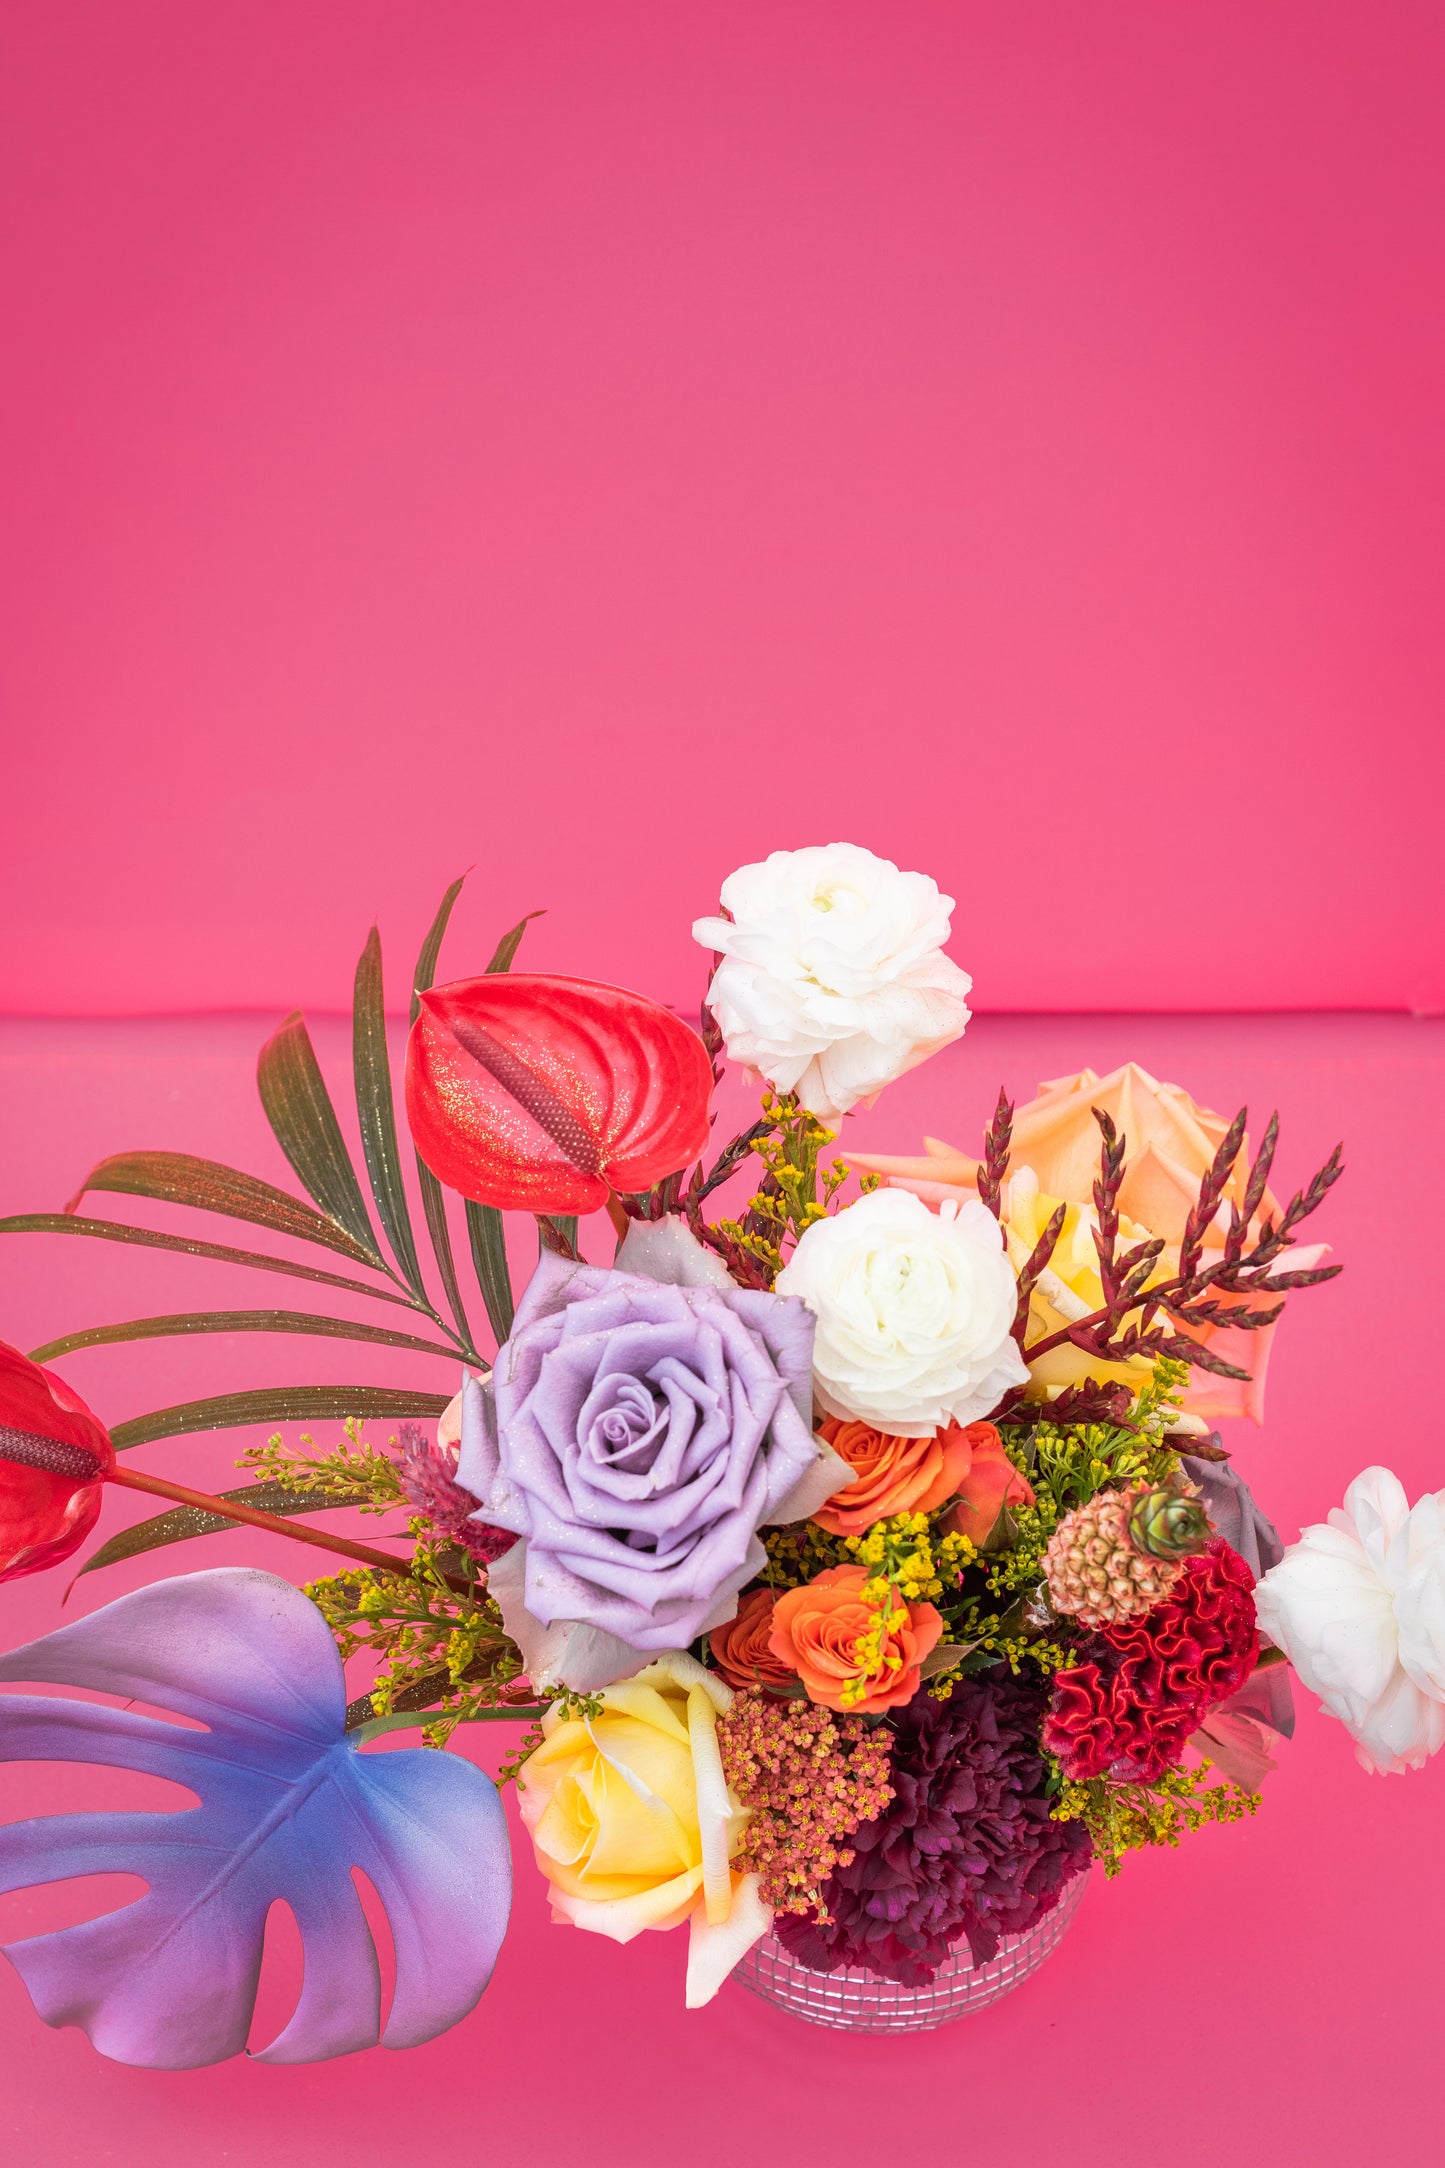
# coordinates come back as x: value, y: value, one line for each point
x: 1127, y: 1710
x: 54, y: 1458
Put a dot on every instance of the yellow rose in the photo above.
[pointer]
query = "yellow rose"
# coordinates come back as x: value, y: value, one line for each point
x: 633, y: 1823
x: 1054, y: 1158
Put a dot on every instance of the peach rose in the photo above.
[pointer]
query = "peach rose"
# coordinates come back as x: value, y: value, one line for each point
x: 992, y: 1482
x: 1054, y: 1158
x: 741, y: 1649
x: 821, y: 1631
x: 894, y: 1475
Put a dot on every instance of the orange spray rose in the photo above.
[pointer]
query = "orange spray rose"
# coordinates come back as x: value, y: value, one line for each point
x: 741, y: 1649
x: 992, y: 1482
x: 820, y: 1630
x: 896, y: 1475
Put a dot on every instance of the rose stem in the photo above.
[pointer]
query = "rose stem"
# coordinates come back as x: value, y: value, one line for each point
x: 230, y: 1510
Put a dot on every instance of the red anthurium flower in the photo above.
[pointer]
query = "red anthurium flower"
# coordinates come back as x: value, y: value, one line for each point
x: 54, y: 1459
x: 539, y: 1094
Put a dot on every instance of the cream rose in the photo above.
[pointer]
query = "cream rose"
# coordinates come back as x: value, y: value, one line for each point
x: 833, y: 980
x: 634, y: 1826
x: 914, y: 1312
x: 1358, y: 1606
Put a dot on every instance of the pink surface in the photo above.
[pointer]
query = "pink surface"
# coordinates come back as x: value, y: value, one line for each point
x: 602, y: 444
x: 1267, y: 1994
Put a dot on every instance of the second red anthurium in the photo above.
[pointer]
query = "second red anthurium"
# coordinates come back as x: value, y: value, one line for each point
x: 54, y: 1459
x: 540, y: 1094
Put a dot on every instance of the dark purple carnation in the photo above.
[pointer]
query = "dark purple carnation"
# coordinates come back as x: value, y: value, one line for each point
x: 966, y: 1847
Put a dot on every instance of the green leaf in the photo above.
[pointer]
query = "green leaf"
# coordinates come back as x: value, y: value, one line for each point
x: 489, y: 1255
x: 278, y: 1404
x: 185, y: 1322
x: 561, y: 1224
x: 426, y: 963
x: 509, y: 944
x: 70, y: 1223
x: 371, y: 1066
x: 183, y: 1522
x: 178, y: 1178
x: 434, y: 1204
x: 432, y: 1197
x: 525, y: 1713
x: 298, y: 1107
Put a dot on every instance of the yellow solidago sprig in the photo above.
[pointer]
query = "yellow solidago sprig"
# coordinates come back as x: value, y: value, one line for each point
x: 795, y: 1191
x: 907, y: 1553
x: 907, y: 1562
x: 430, y: 1643
x: 1123, y: 1818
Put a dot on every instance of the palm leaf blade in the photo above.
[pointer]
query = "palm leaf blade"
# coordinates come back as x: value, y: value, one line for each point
x: 185, y: 1323
x: 298, y: 1107
x: 278, y: 1404
x: 489, y: 1255
x: 72, y: 1223
x: 208, y: 1186
x: 375, y: 1111
x: 181, y: 1523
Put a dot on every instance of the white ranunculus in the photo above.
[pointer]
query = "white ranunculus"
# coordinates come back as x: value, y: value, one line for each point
x: 1358, y: 1607
x: 914, y: 1312
x: 833, y: 980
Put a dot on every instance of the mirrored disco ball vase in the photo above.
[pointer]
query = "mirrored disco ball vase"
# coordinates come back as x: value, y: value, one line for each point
x: 852, y: 2000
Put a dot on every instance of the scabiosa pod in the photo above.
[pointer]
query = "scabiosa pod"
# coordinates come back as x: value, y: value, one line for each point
x: 1122, y: 1552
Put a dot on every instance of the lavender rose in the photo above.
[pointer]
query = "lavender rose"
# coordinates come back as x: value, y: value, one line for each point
x: 636, y: 1436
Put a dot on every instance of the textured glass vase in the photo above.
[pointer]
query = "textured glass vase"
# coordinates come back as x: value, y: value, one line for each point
x: 856, y: 2001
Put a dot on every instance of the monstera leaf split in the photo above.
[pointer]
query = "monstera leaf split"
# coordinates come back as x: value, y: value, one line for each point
x: 288, y: 1807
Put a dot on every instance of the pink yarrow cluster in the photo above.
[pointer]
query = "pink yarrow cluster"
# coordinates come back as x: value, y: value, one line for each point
x: 809, y: 1779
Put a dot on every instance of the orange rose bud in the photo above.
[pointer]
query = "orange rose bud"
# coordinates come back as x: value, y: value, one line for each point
x: 992, y: 1483
x: 822, y: 1632
x: 741, y: 1649
x: 895, y: 1475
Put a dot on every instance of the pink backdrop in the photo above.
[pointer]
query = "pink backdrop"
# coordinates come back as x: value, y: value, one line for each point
x: 597, y: 444
x: 602, y: 443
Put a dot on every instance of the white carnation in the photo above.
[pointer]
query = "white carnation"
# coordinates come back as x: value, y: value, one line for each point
x: 914, y: 1312
x: 833, y: 980
x: 1358, y: 1607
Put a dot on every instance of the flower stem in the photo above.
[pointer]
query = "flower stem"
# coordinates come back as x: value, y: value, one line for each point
x: 250, y: 1517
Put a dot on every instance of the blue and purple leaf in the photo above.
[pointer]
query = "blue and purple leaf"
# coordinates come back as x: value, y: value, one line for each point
x: 288, y: 1807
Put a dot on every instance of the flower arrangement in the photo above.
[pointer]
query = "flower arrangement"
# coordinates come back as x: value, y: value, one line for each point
x: 860, y: 1565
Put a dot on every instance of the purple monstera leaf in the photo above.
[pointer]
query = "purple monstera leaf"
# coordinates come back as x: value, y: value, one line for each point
x: 288, y: 1808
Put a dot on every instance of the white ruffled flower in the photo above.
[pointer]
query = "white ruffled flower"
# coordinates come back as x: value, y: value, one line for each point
x: 1358, y: 1607
x: 914, y: 1312
x: 833, y: 980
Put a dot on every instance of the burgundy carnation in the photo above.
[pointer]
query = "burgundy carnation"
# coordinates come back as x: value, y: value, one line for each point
x: 965, y: 1848
x: 1128, y: 1709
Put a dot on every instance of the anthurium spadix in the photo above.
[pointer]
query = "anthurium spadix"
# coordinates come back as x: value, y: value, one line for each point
x: 288, y: 1807
x: 541, y: 1094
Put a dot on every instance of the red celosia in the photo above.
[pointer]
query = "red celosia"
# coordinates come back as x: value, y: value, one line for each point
x: 54, y: 1458
x: 1127, y: 1709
